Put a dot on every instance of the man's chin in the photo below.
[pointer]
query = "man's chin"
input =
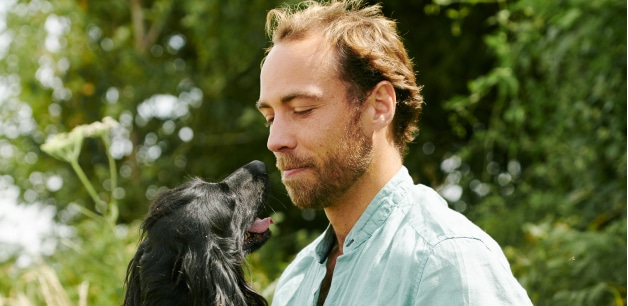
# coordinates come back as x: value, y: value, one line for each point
x: 304, y: 198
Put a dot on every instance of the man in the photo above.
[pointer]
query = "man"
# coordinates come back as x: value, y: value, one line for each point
x: 341, y: 101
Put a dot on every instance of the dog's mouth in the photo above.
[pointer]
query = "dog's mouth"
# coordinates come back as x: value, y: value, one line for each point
x: 257, y: 234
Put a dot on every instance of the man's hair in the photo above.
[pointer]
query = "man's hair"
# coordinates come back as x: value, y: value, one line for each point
x: 368, y: 50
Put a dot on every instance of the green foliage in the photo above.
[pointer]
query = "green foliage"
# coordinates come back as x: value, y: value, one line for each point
x: 90, y: 266
x: 87, y: 268
x: 561, y: 265
x: 525, y: 113
x: 544, y: 170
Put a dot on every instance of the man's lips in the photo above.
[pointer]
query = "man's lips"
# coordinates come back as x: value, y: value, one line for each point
x: 291, y: 165
x: 289, y: 172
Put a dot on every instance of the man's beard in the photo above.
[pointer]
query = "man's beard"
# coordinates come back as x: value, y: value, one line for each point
x: 335, y: 174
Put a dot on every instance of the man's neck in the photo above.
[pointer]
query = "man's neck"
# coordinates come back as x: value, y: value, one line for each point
x: 349, y: 208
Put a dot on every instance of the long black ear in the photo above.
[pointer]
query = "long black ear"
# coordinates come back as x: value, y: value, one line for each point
x: 132, y: 282
x: 222, y: 281
x: 154, y: 277
x: 252, y: 298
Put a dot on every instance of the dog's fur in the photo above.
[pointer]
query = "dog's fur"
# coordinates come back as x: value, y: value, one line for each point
x: 193, y: 242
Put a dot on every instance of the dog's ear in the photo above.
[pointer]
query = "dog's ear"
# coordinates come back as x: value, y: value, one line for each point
x: 222, y: 279
x: 154, y: 277
x: 132, y: 282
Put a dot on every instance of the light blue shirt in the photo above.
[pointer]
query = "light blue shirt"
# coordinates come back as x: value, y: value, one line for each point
x: 407, y: 248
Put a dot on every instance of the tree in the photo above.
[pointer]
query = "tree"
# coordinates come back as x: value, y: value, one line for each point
x: 71, y: 63
x: 524, y: 129
x: 544, y: 168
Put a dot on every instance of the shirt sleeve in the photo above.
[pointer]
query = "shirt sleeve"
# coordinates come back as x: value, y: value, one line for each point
x: 466, y: 271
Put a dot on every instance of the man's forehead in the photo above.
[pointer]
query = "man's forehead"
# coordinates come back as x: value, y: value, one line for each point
x: 291, y: 71
x: 310, y: 50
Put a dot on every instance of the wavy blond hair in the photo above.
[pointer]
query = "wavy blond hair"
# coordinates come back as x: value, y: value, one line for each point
x: 368, y: 50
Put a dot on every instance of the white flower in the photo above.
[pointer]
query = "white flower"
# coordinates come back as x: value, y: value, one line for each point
x: 67, y: 146
x: 64, y: 146
x: 98, y: 129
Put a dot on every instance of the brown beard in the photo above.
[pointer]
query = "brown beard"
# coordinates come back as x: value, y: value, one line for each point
x: 339, y: 170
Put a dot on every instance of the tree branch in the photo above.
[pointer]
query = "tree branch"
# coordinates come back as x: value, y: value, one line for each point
x: 138, y: 24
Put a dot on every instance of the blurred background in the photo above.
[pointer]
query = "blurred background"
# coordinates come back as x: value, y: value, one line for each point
x: 523, y: 131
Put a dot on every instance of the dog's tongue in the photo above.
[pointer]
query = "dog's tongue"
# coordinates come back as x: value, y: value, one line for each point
x: 260, y: 225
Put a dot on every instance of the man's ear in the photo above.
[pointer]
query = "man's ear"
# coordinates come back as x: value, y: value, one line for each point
x: 381, y: 105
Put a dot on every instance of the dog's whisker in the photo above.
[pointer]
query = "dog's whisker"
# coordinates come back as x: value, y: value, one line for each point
x: 277, y: 200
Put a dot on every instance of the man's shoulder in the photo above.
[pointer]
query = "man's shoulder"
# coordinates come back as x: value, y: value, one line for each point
x: 423, y: 210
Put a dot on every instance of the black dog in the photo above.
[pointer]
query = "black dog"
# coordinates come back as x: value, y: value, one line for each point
x: 194, y: 239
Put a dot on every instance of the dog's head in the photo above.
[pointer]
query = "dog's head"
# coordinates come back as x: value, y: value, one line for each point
x: 194, y: 240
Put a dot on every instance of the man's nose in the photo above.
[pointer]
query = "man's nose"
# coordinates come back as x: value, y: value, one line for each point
x: 281, y: 136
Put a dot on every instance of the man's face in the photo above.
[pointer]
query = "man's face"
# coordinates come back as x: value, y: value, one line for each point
x: 315, y: 133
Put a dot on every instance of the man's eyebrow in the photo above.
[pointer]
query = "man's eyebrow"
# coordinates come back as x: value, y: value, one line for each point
x: 311, y: 95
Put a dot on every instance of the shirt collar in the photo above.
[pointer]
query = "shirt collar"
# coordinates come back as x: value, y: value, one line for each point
x: 372, y: 218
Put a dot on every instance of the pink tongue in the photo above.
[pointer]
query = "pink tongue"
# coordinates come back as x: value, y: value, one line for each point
x: 260, y: 225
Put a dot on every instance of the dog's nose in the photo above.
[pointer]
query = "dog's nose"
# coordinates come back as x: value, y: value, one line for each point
x: 256, y: 167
